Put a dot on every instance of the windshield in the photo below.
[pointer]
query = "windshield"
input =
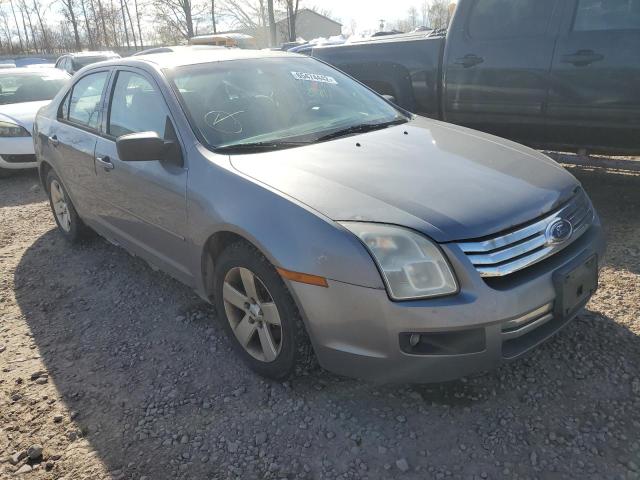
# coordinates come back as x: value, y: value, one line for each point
x: 274, y: 101
x: 30, y: 87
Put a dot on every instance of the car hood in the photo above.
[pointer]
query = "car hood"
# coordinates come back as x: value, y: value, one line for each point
x: 22, y: 114
x: 449, y: 182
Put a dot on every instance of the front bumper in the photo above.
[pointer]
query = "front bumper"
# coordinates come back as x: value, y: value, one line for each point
x: 360, y: 332
x: 17, y: 153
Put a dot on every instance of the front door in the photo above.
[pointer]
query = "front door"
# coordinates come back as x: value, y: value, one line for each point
x: 498, y: 61
x: 143, y: 203
x: 594, y: 100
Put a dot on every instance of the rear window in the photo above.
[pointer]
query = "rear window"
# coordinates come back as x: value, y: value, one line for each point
x: 594, y: 15
x: 80, y: 62
x: 510, y: 18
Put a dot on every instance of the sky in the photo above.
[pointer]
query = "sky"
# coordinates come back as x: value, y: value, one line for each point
x: 366, y: 13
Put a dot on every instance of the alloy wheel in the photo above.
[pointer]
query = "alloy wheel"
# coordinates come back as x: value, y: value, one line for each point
x: 60, y: 206
x: 252, y: 314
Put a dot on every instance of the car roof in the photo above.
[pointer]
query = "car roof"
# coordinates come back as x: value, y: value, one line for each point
x: 105, y: 53
x: 182, y: 58
x: 176, y: 48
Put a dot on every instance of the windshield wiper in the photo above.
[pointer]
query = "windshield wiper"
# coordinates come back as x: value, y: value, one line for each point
x: 361, y: 128
x: 259, y: 146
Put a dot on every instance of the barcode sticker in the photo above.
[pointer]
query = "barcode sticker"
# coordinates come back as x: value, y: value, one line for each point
x: 314, y: 77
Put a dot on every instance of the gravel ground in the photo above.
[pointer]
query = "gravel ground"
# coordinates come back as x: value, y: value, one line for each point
x: 113, y: 370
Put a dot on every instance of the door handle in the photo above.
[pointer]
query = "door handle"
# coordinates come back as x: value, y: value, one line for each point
x: 54, y: 140
x: 105, y: 163
x: 582, y: 58
x: 470, y: 60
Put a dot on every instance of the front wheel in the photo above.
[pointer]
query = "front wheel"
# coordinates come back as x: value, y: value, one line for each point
x: 259, y: 314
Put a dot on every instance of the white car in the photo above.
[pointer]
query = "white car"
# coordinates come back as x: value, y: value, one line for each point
x: 22, y: 92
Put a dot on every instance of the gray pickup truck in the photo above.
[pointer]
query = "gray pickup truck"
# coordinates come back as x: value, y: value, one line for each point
x: 557, y: 74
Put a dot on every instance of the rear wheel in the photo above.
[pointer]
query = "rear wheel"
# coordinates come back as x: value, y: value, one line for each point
x: 64, y: 213
x: 259, y: 314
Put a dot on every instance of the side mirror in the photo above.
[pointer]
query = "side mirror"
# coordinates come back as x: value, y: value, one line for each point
x: 148, y: 146
x: 389, y: 98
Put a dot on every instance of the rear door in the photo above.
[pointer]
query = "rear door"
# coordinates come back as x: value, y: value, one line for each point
x: 72, y: 138
x: 497, y: 66
x: 594, y: 100
x: 143, y: 204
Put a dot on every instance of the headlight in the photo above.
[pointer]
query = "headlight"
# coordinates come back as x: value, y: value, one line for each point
x: 8, y: 129
x: 412, y: 266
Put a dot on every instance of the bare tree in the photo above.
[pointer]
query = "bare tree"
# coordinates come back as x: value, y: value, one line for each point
x: 45, y: 37
x: 424, y: 13
x: 86, y: 24
x: 177, y: 14
x: 291, y: 7
x: 133, y: 28
x: 213, y: 16
x: 124, y: 23
x: 6, y: 29
x: 15, y: 18
x: 439, y: 14
x: 26, y: 11
x: 135, y: 4
x: 272, y: 24
x: 105, y: 35
x: 244, y: 14
x: 413, y: 17
x: 71, y: 16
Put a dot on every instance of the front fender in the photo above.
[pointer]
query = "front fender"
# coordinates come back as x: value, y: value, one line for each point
x: 289, y: 234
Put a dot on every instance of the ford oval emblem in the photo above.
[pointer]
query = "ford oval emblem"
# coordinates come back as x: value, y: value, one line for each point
x: 558, y: 231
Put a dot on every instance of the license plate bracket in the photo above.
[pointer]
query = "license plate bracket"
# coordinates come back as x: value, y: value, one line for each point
x: 574, y: 286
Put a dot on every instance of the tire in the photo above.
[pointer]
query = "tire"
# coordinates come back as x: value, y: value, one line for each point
x: 69, y: 223
x: 293, y: 350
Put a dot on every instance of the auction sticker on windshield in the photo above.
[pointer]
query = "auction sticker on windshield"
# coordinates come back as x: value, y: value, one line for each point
x: 314, y: 77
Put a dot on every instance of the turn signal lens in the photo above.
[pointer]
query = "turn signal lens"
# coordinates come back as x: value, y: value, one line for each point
x: 303, y: 278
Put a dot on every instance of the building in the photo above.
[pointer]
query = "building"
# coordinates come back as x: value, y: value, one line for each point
x: 309, y: 25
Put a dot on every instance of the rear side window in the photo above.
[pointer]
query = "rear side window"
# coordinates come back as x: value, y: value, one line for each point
x: 492, y: 19
x: 84, y: 102
x: 136, y: 106
x: 593, y: 15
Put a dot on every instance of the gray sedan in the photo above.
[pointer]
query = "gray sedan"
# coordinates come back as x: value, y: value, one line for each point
x: 321, y: 220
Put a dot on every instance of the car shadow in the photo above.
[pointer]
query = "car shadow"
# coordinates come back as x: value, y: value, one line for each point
x: 21, y: 187
x: 156, y: 390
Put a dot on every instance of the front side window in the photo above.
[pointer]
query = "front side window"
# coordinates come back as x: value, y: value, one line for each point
x: 84, y: 104
x: 593, y: 15
x: 30, y: 87
x: 276, y: 100
x: 136, y: 106
x: 491, y: 19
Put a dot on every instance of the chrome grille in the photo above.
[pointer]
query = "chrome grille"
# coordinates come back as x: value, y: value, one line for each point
x: 509, y: 252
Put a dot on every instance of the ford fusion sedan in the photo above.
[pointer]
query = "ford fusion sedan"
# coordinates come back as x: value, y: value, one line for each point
x: 22, y: 92
x: 320, y: 219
